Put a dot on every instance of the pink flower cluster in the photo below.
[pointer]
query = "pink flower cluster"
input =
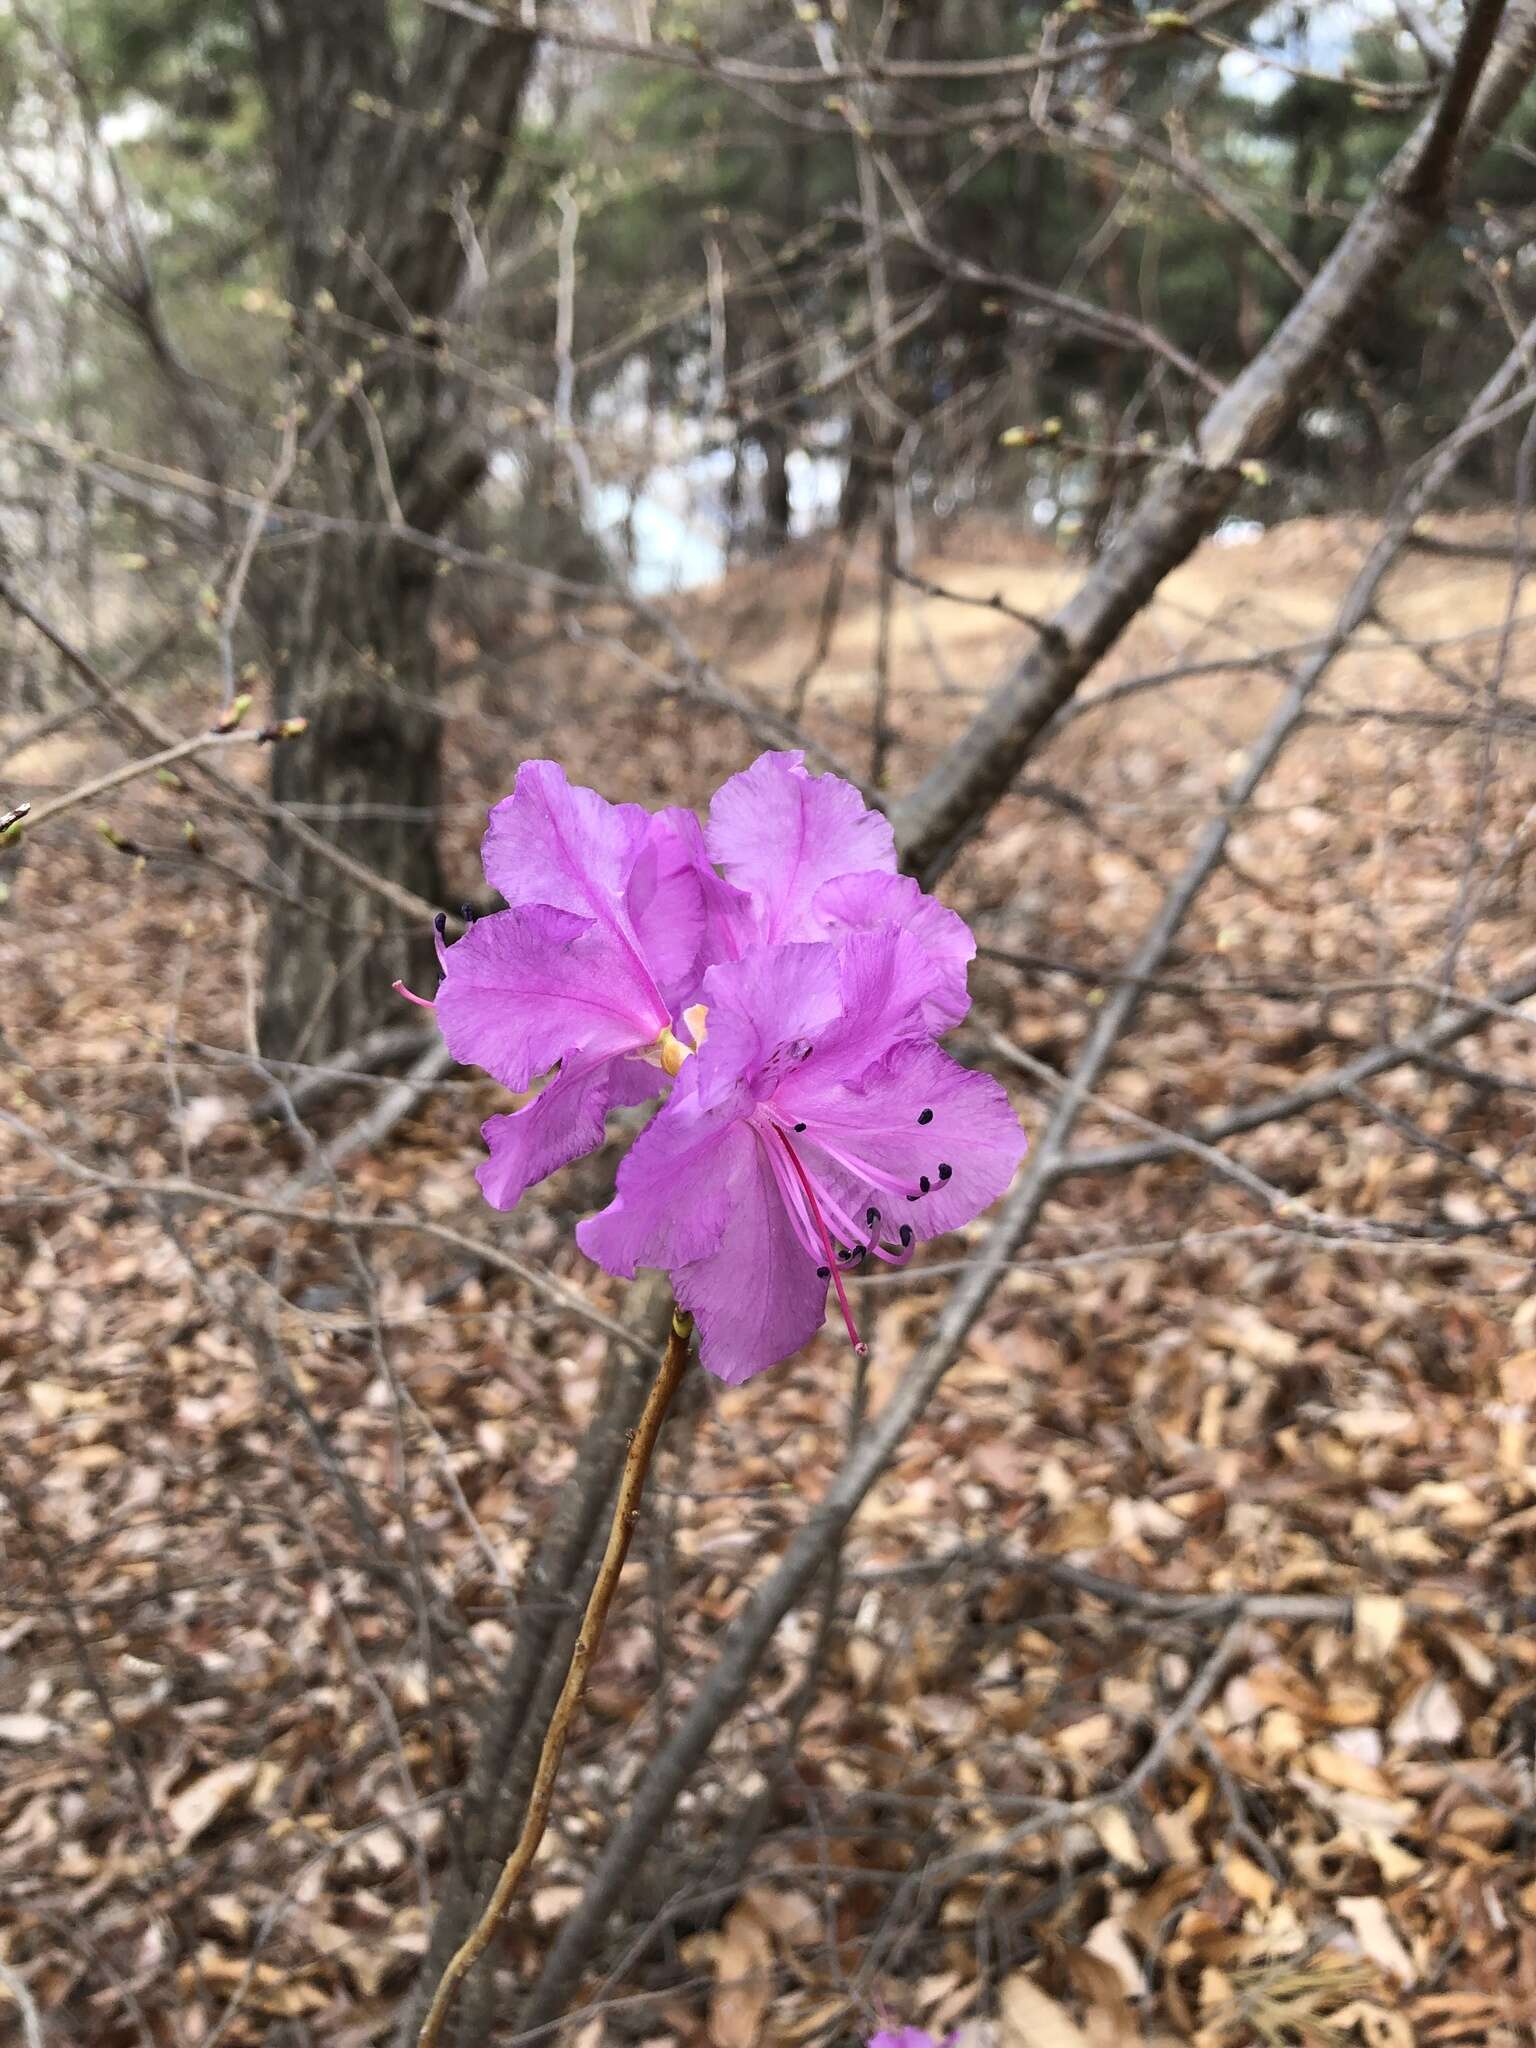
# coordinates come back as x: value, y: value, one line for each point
x: 773, y: 976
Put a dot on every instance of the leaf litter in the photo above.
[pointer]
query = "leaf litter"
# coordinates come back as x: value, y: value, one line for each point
x: 223, y: 1756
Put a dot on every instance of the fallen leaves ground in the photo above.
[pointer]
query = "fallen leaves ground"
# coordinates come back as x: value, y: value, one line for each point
x: 1303, y: 1463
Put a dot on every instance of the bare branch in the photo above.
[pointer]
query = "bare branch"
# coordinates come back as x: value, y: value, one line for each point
x: 1185, y: 501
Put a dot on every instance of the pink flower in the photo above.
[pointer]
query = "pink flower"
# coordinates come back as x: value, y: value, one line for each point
x: 816, y: 1127
x: 791, y: 1001
x: 906, y: 2037
x: 584, y: 972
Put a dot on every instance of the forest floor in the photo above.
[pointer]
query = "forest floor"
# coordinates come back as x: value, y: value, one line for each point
x: 1306, y: 1461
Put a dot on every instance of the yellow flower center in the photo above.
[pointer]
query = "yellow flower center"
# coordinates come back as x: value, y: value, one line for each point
x: 672, y: 1049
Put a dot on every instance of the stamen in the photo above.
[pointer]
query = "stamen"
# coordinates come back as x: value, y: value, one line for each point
x: 871, y: 1217
x: 421, y: 1002
x: 944, y: 1171
x: 439, y: 939
x: 861, y: 1170
x: 925, y: 1116
x: 799, y: 1127
x: 860, y: 1347
x: 925, y: 1184
x: 906, y: 1234
x: 467, y: 912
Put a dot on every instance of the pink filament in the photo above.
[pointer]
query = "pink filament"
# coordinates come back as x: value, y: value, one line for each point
x: 421, y: 1002
x: 838, y: 1216
x: 832, y: 1266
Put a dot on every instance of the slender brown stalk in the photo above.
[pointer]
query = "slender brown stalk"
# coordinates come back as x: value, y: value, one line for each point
x: 625, y: 1510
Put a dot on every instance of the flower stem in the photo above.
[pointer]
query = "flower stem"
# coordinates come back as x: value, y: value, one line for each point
x: 625, y: 1509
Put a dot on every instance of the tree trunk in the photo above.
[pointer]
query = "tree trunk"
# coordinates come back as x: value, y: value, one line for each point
x: 361, y: 666
x: 388, y: 150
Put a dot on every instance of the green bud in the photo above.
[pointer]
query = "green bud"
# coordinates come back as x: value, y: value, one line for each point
x: 236, y: 712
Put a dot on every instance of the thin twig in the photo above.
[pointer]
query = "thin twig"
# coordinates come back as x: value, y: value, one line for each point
x: 625, y: 1510
x: 26, y: 2005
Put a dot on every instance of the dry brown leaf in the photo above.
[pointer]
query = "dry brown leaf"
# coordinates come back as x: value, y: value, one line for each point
x: 1431, y: 1718
x: 1376, y: 2026
x: 1249, y: 1881
x: 1107, y: 1944
x: 1378, y: 1937
x: 1114, y: 1830
x: 793, y: 1916
x: 551, y: 1902
x: 198, y: 1805
x: 1379, y: 1619
x: 1082, y: 1738
x: 1336, y: 1766
x: 26, y: 1729
x: 743, y: 1960
x: 1031, y: 2019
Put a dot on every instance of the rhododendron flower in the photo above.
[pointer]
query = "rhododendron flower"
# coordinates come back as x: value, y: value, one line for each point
x: 816, y: 1127
x: 790, y: 1000
x: 582, y: 973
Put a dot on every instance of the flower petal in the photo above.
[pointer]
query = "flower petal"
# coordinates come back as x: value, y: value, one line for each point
x: 781, y: 833
x: 567, y: 1118
x: 554, y: 842
x: 885, y: 984
x: 914, y: 1115
x: 682, y: 913
x: 767, y: 1011
x: 667, y: 1207
x: 527, y: 987
x: 757, y: 1298
x: 851, y: 903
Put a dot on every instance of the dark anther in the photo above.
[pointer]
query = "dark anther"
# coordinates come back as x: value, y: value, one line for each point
x: 440, y: 923
x: 914, y: 1198
x: 924, y: 1182
x: 467, y: 912
x: 871, y: 1217
x: 906, y: 1235
x: 926, y: 1117
x: 944, y: 1171
x: 823, y: 1272
x: 799, y: 1127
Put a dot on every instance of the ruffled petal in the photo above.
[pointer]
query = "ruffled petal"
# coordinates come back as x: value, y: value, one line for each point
x: 668, y: 1207
x: 780, y: 834
x: 915, y: 1116
x: 566, y: 1119
x: 689, y: 891
x: 551, y: 841
x: 757, y: 1298
x: 683, y: 915
x: 885, y: 983
x: 527, y: 987
x: 767, y: 1013
x: 863, y: 903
